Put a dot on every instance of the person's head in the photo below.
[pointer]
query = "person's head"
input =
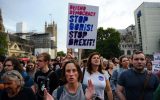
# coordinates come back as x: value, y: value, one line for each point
x: 115, y: 61
x: 12, y: 81
x: 30, y: 66
x: 12, y: 63
x: 84, y: 63
x: 53, y: 61
x: 138, y: 60
x: 22, y: 63
x: 43, y: 60
x: 149, y: 65
x: 110, y: 65
x: 71, y: 72
x: 124, y: 61
x: 105, y: 63
x: 2, y: 58
x: 94, y: 61
x: 58, y: 58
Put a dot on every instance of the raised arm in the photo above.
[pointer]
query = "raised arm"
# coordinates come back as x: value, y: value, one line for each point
x: 47, y: 96
x: 109, y: 90
x: 90, y: 90
x: 120, y: 91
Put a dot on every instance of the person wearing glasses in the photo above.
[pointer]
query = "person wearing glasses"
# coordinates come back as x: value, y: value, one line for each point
x: 12, y: 63
x: 137, y: 83
x: 14, y: 87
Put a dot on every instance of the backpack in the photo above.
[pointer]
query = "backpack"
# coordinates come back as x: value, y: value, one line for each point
x: 60, y: 90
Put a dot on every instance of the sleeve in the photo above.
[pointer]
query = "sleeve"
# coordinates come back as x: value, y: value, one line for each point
x: 106, y: 75
x: 35, y: 78
x: 113, y: 80
x: 121, y: 79
x: 28, y: 80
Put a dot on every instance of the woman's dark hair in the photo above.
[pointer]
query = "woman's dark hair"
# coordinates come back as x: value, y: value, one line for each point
x: 89, y: 64
x: 77, y: 67
x: 15, y: 63
x: 120, y: 60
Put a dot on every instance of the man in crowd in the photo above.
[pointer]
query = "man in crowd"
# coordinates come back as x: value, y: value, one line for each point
x: 137, y: 83
x: 44, y: 78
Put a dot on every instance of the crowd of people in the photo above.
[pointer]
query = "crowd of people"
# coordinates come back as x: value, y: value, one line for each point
x: 64, y: 78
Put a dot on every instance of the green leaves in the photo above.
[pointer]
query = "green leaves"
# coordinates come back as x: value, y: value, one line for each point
x: 107, y: 43
x: 3, y: 43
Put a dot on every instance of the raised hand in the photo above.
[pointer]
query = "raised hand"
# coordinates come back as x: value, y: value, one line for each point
x: 47, y: 96
x: 90, y: 90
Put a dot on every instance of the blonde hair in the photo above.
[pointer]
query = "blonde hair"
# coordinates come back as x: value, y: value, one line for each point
x: 14, y: 75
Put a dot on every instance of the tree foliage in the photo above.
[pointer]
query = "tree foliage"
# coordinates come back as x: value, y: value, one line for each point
x: 3, y: 43
x: 61, y: 53
x: 107, y: 43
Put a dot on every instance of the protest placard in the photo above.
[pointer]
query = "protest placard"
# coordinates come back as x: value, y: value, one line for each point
x: 156, y: 63
x: 82, y: 26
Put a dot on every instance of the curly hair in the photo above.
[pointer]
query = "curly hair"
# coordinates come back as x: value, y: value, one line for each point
x: 15, y: 63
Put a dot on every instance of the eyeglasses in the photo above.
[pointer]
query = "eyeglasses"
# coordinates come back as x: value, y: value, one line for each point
x: 8, y: 65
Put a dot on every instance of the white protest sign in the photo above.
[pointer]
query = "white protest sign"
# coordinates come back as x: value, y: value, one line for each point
x: 82, y: 26
x: 156, y: 63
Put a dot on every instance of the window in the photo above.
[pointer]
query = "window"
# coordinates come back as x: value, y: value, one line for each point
x: 128, y: 52
x: 122, y: 52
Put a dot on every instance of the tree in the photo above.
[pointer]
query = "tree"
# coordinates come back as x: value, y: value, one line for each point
x: 61, y: 53
x: 107, y: 43
x: 3, y: 43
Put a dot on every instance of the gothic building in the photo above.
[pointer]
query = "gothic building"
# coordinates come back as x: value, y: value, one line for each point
x: 128, y: 40
x: 47, y: 41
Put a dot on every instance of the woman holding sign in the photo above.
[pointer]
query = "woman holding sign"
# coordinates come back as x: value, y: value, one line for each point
x: 95, y: 74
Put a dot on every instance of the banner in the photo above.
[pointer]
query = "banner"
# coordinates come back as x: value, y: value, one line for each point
x: 156, y: 63
x: 82, y: 26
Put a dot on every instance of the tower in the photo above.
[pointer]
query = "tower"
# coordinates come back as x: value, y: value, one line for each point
x: 52, y: 30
